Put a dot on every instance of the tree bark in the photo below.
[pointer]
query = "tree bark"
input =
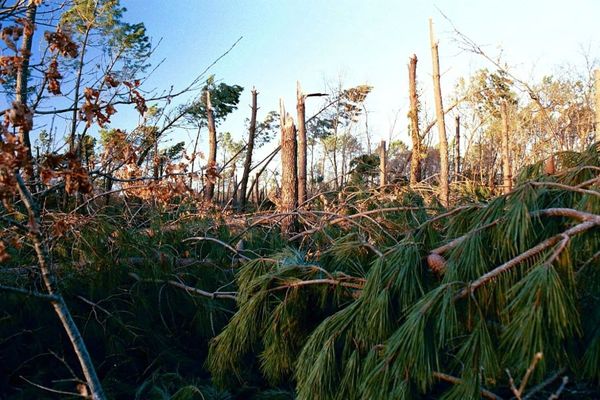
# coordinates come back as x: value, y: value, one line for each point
x: 289, y: 172
x: 457, y: 148
x: 211, y: 167
x: 22, y: 78
x: 382, y: 165
x: 249, y: 149
x: 506, y: 168
x: 439, y: 110
x: 302, y: 149
x: 413, y: 115
x: 78, y: 88
x: 597, y: 86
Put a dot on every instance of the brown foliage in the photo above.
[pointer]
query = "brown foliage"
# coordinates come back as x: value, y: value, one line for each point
x: 61, y: 42
x: 52, y: 75
x: 136, y: 97
x: 68, y: 167
x: 92, y: 108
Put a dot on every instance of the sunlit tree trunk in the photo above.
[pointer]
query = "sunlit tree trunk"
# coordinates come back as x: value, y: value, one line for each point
x: 597, y: 86
x: 289, y: 170
x: 439, y: 110
x: 302, y: 148
x: 415, y: 134
x: 506, y: 167
x: 382, y: 164
x: 249, y: 150
x: 457, y: 148
x: 211, y: 170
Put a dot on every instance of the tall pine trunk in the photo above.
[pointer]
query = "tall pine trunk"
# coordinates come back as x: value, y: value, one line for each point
x: 301, y: 109
x: 289, y: 170
x: 415, y: 134
x: 211, y: 169
x: 22, y: 79
x: 441, y: 124
x: 597, y: 86
x: 506, y: 167
x: 382, y: 165
x: 249, y: 149
x: 457, y: 148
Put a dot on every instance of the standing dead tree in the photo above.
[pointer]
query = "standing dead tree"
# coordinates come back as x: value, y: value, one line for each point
x: 439, y: 111
x: 506, y: 167
x: 289, y: 170
x: 382, y: 164
x: 301, y: 109
x: 210, y: 174
x: 457, y: 148
x: 597, y: 88
x: 413, y: 116
x: 243, y: 196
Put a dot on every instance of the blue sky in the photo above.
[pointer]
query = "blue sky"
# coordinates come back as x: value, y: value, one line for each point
x: 360, y: 41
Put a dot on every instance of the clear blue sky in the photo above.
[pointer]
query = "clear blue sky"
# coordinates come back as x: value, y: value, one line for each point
x: 361, y: 41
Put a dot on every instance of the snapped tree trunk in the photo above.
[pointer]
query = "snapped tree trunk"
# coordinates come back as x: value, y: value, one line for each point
x: 413, y: 115
x: 300, y: 108
x: 289, y: 173
x: 23, y: 77
x: 506, y: 167
x: 439, y: 111
x: 211, y: 167
x: 249, y: 149
x: 597, y: 86
x: 382, y: 164
x: 457, y: 148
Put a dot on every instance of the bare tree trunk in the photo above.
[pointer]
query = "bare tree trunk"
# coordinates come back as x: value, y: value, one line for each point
x: 439, y: 110
x: 506, y: 168
x: 597, y: 86
x: 256, y: 189
x: 382, y: 164
x: 415, y: 134
x: 289, y: 170
x: 193, y: 155
x: 78, y: 87
x: 249, y: 149
x: 23, y: 77
x: 54, y: 295
x: 334, y: 163
x: 457, y: 148
x: 367, y: 132
x: 156, y: 161
x: 301, y: 109
x: 211, y: 168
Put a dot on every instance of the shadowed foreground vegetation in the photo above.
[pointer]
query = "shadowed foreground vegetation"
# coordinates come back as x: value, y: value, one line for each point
x: 383, y: 294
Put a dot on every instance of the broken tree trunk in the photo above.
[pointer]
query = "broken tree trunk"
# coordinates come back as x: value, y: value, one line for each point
x: 301, y: 109
x: 597, y: 85
x: 457, y: 148
x: 439, y: 111
x: 249, y: 149
x: 289, y: 170
x: 382, y: 164
x: 211, y: 167
x: 506, y: 167
x: 413, y: 115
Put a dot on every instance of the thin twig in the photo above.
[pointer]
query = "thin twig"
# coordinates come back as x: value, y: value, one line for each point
x: 457, y: 381
x: 190, y: 289
x: 227, y: 246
